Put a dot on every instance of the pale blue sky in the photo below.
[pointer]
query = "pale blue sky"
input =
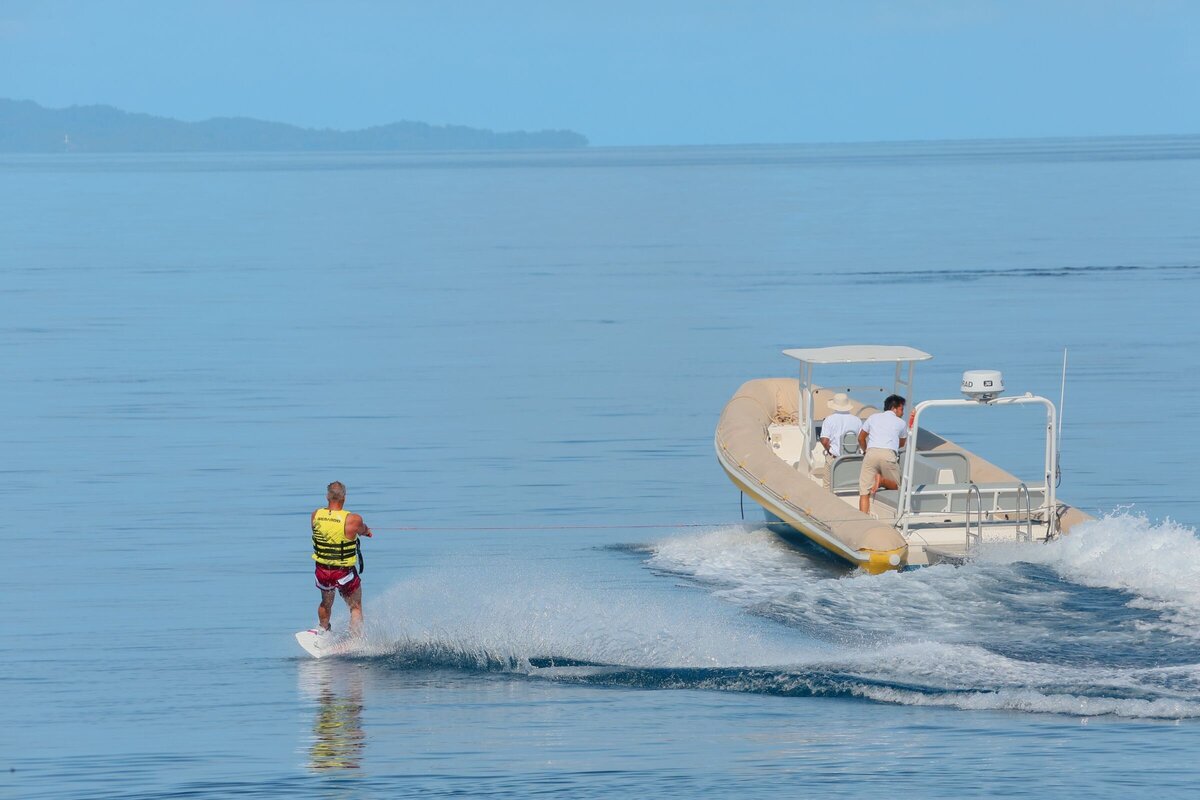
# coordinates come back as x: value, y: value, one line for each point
x: 627, y: 72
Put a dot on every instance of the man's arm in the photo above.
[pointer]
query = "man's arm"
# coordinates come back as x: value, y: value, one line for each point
x: 355, y: 527
x: 862, y: 440
x: 825, y: 444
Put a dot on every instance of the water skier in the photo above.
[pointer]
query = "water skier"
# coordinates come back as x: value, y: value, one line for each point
x: 335, y: 533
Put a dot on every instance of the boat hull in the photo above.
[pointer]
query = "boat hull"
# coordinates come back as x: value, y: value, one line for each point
x: 789, y: 520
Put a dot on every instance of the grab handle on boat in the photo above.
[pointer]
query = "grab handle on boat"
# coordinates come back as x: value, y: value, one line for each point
x: 974, y: 502
x: 1025, y: 535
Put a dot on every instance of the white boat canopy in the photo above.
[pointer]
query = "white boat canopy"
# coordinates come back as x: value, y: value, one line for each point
x: 904, y: 358
x: 857, y: 354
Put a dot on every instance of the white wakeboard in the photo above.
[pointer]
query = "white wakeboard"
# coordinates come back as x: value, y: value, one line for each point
x: 319, y: 645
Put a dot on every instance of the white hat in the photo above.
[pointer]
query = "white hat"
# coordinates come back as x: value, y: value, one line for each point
x: 840, y: 402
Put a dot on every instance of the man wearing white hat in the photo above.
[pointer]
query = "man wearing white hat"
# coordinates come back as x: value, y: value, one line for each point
x: 835, y: 426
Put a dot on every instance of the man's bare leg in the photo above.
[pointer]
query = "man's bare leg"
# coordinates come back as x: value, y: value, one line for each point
x: 325, y: 609
x: 864, y: 500
x: 356, y: 613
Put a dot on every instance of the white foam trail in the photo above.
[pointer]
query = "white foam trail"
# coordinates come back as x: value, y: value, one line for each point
x: 505, y: 613
x: 754, y: 568
x: 1033, y: 701
x: 956, y: 666
x: 1157, y: 562
x: 747, y: 565
x: 924, y: 637
x: 930, y: 628
x: 970, y: 677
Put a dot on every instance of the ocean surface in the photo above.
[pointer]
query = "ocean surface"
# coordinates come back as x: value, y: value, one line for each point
x: 516, y: 362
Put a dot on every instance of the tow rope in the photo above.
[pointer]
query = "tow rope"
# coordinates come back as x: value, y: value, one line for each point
x: 564, y: 527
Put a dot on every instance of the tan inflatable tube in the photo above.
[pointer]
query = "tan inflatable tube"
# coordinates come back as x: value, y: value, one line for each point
x: 744, y: 451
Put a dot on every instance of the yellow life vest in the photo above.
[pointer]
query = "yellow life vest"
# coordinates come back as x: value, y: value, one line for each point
x: 330, y: 545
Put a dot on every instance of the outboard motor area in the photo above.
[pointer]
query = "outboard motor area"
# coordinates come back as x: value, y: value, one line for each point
x: 982, y: 384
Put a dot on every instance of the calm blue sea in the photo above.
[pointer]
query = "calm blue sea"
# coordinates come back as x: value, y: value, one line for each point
x: 516, y: 362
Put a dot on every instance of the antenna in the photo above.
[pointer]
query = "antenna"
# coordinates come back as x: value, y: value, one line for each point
x: 1062, y: 399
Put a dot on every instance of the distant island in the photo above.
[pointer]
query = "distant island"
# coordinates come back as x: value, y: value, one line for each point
x: 26, y: 127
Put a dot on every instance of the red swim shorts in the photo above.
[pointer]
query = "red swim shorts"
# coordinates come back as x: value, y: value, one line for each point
x: 344, y: 579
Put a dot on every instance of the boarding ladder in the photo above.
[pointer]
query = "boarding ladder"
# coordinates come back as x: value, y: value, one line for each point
x: 975, y: 506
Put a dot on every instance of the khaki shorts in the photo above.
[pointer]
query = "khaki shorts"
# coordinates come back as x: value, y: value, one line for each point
x: 877, y: 461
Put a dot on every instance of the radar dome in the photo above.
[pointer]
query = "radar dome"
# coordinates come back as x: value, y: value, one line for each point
x: 982, y: 384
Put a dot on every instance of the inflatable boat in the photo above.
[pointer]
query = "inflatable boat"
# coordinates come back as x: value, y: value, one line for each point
x: 947, y: 502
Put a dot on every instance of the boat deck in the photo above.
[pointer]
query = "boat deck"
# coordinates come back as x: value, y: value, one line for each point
x: 949, y: 513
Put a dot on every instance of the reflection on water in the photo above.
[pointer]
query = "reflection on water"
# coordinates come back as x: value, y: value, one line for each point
x: 338, y: 737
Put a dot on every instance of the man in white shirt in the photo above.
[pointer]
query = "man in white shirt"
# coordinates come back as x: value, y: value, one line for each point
x: 881, y: 436
x: 835, y: 426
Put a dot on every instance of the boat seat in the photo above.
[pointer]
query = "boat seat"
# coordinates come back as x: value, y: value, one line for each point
x: 941, y: 468
x: 844, y: 474
x: 850, y: 443
x: 929, y: 468
x: 848, y: 468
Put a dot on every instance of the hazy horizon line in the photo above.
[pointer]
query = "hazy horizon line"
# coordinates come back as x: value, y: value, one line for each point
x: 650, y: 145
